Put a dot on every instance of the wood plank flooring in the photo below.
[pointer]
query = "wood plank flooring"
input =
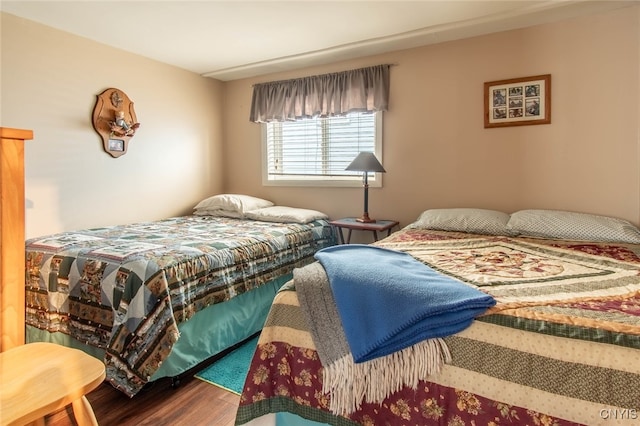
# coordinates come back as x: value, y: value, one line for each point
x: 192, y: 403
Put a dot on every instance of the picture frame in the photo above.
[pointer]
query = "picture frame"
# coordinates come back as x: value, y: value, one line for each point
x: 116, y: 145
x: 517, y: 101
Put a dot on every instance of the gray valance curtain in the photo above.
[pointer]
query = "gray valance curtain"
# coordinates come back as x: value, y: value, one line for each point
x: 359, y: 90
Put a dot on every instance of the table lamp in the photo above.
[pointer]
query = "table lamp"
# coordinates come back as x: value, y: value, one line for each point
x: 366, y: 162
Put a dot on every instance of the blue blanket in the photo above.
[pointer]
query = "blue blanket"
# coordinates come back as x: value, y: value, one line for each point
x: 388, y: 300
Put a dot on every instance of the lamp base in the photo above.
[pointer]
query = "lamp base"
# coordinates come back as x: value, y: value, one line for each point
x: 365, y: 218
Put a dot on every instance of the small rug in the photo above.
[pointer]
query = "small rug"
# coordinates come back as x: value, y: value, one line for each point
x: 230, y: 371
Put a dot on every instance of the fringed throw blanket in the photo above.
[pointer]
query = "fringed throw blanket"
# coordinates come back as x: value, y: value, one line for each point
x: 388, y: 300
x: 386, y: 311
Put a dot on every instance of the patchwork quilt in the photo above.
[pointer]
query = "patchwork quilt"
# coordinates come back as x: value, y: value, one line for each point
x: 124, y: 289
x: 559, y: 347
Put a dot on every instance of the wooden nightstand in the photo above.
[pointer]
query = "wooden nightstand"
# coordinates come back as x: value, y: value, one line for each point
x: 351, y: 223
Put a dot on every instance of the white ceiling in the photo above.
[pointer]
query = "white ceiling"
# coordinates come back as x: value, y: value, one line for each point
x: 228, y: 40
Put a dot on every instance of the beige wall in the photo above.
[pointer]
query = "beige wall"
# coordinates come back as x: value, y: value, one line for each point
x: 195, y: 138
x: 436, y: 151
x: 50, y: 80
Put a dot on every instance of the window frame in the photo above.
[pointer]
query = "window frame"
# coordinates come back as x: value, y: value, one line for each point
x: 374, y: 179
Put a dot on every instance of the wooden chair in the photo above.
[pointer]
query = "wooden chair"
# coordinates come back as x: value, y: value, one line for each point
x: 37, y: 379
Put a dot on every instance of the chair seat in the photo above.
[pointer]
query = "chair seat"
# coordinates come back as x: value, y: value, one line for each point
x: 37, y: 379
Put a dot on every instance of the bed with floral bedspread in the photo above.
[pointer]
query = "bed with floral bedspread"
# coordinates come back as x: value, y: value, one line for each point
x: 561, y: 346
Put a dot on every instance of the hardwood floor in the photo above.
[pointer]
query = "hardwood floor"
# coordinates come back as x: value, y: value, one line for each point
x: 193, y: 403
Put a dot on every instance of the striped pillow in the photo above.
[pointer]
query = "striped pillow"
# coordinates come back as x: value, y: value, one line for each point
x: 471, y: 220
x: 563, y: 225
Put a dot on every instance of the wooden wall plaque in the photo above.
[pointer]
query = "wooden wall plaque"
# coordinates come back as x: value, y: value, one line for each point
x: 115, y: 121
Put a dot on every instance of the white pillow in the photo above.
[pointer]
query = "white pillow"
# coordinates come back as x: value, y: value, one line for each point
x: 219, y: 213
x: 471, y: 220
x: 285, y: 214
x: 563, y: 225
x: 230, y: 203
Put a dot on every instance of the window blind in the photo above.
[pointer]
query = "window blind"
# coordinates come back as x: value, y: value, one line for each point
x: 319, y: 147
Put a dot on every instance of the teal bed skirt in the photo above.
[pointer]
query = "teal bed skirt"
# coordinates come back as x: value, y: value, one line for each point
x: 209, y: 332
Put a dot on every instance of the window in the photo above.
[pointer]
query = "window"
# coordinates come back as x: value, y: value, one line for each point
x: 316, y: 151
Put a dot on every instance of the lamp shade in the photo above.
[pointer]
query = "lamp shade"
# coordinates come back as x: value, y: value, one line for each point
x: 366, y: 162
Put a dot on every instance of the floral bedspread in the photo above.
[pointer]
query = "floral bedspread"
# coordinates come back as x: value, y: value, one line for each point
x: 125, y: 289
x: 560, y: 347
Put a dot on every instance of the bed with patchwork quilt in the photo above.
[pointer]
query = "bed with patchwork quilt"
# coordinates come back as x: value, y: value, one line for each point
x: 559, y: 345
x: 155, y: 299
